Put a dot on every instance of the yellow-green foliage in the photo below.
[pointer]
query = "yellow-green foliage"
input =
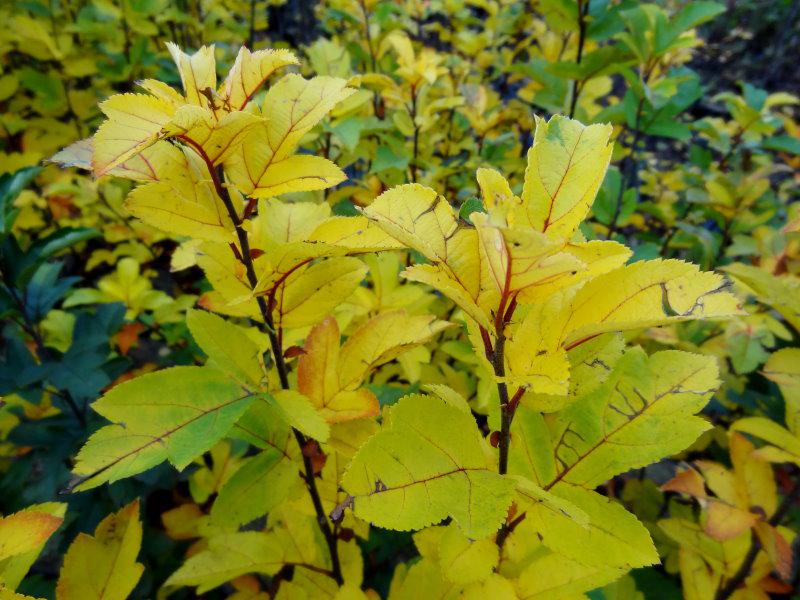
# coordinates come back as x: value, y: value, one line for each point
x: 447, y: 271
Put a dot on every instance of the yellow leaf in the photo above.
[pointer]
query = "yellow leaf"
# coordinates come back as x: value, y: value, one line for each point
x: 332, y: 378
x: 755, y: 482
x: 699, y: 581
x: 783, y: 367
x: 198, y: 72
x: 645, y: 294
x: 24, y: 531
x: 265, y: 158
x: 421, y: 219
x: 591, y: 259
x: 381, y: 339
x: 566, y: 165
x: 496, y: 192
x: 534, y: 356
x: 725, y: 522
x: 250, y: 72
x: 226, y: 345
x: 318, y: 377
x: 427, y: 462
x: 309, y: 293
x: 103, y: 566
x: 183, y: 202
x: 134, y: 123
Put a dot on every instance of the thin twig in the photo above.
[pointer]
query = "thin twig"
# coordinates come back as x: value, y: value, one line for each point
x: 583, y: 6
x: 741, y: 574
x: 277, y: 353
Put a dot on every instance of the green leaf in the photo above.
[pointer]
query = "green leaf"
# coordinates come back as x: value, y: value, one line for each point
x: 298, y: 411
x: 782, y: 143
x: 471, y: 205
x: 175, y: 414
x: 428, y: 462
x: 386, y: 158
x: 694, y: 14
x: 227, y: 345
x: 613, y: 537
x: 22, y: 270
x: 643, y: 412
x: 228, y: 556
x: 11, y: 184
x: 258, y: 486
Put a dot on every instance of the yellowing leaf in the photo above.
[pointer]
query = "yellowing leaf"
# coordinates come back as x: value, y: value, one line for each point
x: 427, y: 462
x: 226, y: 345
x: 555, y: 577
x: 463, y: 560
x: 642, y: 413
x: 319, y: 377
x: 198, y: 72
x: 785, y: 447
x: 613, y: 537
x: 725, y: 522
x: 783, y: 367
x: 645, y: 294
x: 780, y: 292
x: 228, y: 556
x: 13, y: 569
x: 134, y: 123
x: 777, y: 548
x: 263, y: 166
x: 258, y: 486
x: 249, y: 73
x: 566, y: 165
x: 298, y: 411
x: 24, y: 531
x: 293, y: 538
x: 103, y: 566
x: 175, y: 414
x: 7, y: 594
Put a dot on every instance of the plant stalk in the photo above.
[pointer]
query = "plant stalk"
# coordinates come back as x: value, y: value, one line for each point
x: 741, y: 574
x: 280, y: 364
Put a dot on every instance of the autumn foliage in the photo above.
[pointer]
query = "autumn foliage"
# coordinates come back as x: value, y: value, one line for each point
x: 384, y: 317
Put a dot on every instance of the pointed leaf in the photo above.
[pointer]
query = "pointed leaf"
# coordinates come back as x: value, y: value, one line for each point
x: 427, y: 463
x: 103, y: 566
x: 175, y: 414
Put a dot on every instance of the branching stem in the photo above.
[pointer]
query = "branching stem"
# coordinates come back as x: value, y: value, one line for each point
x: 732, y: 584
x: 246, y: 259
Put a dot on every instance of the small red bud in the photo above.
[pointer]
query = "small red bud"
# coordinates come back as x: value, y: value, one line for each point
x: 494, y: 439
